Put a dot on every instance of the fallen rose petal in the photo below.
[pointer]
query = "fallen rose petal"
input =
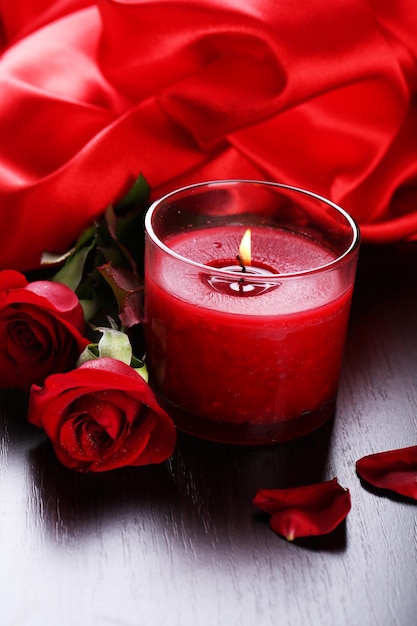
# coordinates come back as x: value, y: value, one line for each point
x: 304, y: 511
x: 395, y: 470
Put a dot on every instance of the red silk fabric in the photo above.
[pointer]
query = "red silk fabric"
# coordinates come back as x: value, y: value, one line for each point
x: 318, y: 95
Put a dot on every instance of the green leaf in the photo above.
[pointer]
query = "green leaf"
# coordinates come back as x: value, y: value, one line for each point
x: 105, y: 267
x: 127, y: 290
x: 90, y: 308
x: 137, y: 194
x: 71, y: 274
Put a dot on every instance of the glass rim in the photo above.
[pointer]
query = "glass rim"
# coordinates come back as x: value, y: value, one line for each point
x: 214, y: 271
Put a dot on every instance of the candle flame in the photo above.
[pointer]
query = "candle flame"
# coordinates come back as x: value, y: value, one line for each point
x: 245, y: 255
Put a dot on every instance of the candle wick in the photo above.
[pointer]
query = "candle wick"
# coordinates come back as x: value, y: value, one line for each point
x: 241, y: 263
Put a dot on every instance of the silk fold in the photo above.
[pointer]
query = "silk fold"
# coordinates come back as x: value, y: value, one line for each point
x: 318, y: 95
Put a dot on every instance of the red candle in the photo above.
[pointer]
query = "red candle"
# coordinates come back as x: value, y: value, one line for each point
x: 249, y: 351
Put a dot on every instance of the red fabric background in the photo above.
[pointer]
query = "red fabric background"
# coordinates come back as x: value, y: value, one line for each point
x: 319, y: 95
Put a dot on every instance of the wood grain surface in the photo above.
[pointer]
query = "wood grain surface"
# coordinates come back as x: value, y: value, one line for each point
x: 181, y: 544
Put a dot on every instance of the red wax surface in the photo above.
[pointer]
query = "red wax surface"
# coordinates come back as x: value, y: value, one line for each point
x: 255, y: 360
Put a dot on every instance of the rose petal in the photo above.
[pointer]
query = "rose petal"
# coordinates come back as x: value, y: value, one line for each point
x: 109, y: 416
x: 62, y: 298
x: 11, y: 279
x: 395, y: 470
x: 304, y: 511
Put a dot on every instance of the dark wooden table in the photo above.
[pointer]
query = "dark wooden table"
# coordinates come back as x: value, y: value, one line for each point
x: 181, y: 544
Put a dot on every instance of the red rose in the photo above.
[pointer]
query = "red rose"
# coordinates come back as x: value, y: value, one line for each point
x: 101, y: 416
x: 41, y: 326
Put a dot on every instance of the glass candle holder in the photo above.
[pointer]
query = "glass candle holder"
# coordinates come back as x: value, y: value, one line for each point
x: 245, y: 340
